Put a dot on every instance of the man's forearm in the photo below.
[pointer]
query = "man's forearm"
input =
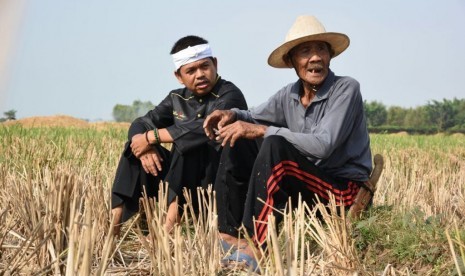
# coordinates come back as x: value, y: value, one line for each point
x: 159, y: 136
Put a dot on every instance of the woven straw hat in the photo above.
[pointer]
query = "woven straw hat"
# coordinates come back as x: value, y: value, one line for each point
x: 307, y: 28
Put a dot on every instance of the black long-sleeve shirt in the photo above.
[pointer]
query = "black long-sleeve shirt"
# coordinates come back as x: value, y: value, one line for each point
x: 182, y: 113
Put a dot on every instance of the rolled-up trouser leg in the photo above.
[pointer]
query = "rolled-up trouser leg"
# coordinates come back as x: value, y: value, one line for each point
x: 280, y: 172
x: 232, y: 183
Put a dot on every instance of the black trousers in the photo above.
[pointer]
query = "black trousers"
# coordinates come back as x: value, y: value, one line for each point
x: 232, y: 183
x: 195, y: 168
x: 280, y: 172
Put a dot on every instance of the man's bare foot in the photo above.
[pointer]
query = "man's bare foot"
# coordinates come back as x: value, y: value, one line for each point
x: 249, y: 251
x: 117, y: 214
x: 233, y: 241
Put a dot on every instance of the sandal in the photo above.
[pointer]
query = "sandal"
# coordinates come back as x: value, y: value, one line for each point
x: 239, y: 259
x: 226, y: 247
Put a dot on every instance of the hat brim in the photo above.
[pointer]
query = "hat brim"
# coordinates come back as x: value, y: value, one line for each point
x: 338, y: 41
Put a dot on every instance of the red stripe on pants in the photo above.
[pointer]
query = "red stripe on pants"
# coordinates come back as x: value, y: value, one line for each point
x: 314, y: 184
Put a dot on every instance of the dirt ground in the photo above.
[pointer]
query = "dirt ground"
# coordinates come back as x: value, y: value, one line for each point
x: 63, y: 121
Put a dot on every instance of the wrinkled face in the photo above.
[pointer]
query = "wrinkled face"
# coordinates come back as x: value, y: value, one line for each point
x: 311, y: 61
x: 198, y: 76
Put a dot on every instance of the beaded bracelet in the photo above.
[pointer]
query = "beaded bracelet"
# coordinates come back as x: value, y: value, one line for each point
x: 157, y: 135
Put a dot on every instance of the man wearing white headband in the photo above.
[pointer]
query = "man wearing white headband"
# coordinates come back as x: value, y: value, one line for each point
x: 178, y: 119
x: 315, y: 138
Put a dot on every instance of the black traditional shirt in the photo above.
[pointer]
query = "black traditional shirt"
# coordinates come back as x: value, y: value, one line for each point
x: 182, y: 113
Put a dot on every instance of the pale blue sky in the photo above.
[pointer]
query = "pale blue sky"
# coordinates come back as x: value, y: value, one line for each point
x: 81, y: 58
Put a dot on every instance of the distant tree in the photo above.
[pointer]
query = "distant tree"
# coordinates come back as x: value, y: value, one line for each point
x: 396, y: 116
x: 127, y: 113
x: 416, y: 117
x: 10, y: 114
x: 122, y: 113
x: 141, y: 108
x: 441, y: 114
x: 376, y: 113
x: 459, y: 113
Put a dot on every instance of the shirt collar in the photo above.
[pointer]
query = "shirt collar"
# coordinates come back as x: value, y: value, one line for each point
x: 322, y: 92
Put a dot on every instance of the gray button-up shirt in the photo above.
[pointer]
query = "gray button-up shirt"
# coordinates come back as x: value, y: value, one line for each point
x: 331, y: 132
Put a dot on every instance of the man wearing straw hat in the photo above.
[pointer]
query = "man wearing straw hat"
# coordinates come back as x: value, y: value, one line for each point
x: 178, y: 119
x: 315, y: 138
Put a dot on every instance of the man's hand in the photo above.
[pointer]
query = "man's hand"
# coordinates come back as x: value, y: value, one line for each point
x: 139, y: 145
x: 239, y: 129
x: 151, y: 161
x: 216, y: 121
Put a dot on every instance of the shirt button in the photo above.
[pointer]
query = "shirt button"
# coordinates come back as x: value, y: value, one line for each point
x: 200, y: 100
x: 199, y: 115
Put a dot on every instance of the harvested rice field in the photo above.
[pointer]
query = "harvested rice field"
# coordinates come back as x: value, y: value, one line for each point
x: 55, y: 180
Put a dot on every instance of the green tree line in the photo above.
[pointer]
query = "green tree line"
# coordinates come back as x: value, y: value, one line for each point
x: 127, y: 113
x: 434, y: 117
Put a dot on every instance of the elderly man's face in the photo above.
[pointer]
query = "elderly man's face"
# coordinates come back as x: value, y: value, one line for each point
x: 311, y: 61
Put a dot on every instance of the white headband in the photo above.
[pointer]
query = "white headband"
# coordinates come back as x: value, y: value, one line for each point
x: 191, y: 54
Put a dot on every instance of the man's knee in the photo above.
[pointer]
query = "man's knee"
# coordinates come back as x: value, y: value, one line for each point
x: 275, y: 142
x: 238, y: 161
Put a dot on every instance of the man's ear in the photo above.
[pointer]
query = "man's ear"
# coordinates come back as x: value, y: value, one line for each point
x: 177, y: 74
x: 215, y: 62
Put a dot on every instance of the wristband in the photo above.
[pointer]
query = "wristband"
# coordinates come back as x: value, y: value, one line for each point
x: 147, y: 137
x: 157, y: 135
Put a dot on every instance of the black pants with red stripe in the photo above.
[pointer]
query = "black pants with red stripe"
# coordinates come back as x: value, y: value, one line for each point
x: 281, y: 172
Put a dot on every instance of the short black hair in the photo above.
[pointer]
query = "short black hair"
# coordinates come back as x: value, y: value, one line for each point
x: 183, y: 43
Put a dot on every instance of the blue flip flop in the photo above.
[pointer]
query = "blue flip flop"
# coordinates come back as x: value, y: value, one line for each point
x: 226, y: 247
x: 237, y: 258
